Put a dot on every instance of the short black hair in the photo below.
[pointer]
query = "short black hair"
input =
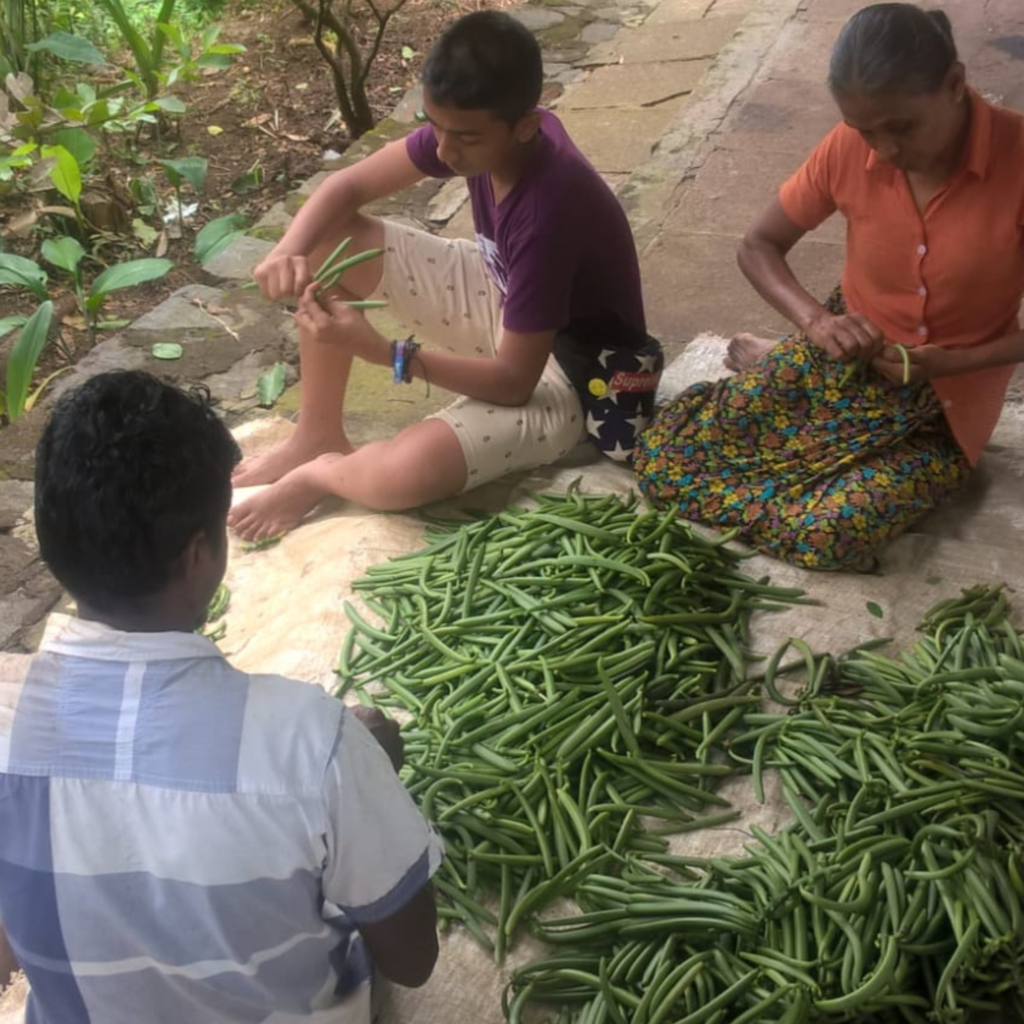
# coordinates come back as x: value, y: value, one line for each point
x: 892, y: 49
x: 128, y: 470
x: 486, y: 61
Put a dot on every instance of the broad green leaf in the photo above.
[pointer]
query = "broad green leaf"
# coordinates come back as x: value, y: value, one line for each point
x: 218, y: 61
x: 24, y: 273
x: 875, y: 609
x: 270, y: 386
x: 168, y: 350
x: 216, y: 236
x: 65, y: 173
x: 102, y: 111
x: 69, y: 47
x: 25, y: 353
x: 190, y: 168
x: 65, y: 253
x: 226, y: 48
x: 408, y: 53
x: 8, y: 323
x: 125, y: 275
x: 78, y: 142
x: 171, y: 104
x: 172, y: 30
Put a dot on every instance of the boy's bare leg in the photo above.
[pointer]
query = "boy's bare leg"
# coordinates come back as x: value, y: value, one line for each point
x: 8, y: 962
x: 323, y: 373
x: 746, y: 349
x: 423, y: 463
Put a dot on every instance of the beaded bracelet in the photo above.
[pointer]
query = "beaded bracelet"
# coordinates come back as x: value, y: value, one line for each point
x: 402, y: 355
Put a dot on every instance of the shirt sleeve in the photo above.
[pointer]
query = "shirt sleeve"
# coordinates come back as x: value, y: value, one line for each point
x: 808, y: 197
x: 380, y: 849
x: 422, y: 149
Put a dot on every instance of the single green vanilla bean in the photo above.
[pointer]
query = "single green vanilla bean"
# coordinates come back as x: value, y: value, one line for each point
x: 905, y: 356
x: 334, y: 273
x: 327, y: 267
x: 851, y: 368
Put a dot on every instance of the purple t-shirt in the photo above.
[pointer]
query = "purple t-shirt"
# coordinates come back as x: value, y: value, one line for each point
x: 558, y: 246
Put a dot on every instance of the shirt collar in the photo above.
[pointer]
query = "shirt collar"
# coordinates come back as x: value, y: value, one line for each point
x: 978, y: 146
x: 68, y: 635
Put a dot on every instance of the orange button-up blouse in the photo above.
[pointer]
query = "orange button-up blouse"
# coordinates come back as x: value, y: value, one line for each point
x: 953, y: 276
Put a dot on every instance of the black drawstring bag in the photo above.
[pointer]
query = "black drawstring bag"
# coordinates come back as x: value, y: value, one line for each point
x: 615, y: 370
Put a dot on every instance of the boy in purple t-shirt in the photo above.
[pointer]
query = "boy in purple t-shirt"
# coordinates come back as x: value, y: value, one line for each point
x: 553, y: 248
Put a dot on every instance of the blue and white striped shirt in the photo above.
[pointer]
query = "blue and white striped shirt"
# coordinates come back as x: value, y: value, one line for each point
x: 182, y: 842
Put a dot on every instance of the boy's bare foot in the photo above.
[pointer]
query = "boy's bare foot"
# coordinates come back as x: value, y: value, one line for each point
x: 271, y: 466
x: 746, y: 349
x: 279, y: 508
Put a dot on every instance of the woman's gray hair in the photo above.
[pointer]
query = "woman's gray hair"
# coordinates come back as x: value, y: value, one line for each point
x: 892, y: 49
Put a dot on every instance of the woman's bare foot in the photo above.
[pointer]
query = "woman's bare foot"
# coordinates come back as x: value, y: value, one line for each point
x: 271, y: 466
x: 746, y: 349
x: 281, y: 507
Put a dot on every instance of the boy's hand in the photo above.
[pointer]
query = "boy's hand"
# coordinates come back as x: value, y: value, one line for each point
x: 333, y: 322
x: 283, y: 277
x: 330, y: 321
x: 384, y: 731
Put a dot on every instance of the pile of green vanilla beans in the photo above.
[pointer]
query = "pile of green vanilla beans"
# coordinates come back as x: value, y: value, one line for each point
x: 896, y: 894
x: 577, y: 682
x: 571, y: 673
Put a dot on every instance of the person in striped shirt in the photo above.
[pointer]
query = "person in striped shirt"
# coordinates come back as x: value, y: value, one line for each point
x: 181, y: 841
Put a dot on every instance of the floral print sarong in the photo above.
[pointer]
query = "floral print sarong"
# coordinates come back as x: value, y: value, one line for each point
x: 812, y: 471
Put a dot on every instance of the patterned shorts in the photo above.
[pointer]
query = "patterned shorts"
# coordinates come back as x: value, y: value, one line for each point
x: 812, y: 470
x: 439, y: 289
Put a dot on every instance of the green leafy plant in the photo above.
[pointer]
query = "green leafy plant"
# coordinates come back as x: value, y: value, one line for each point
x: 347, y: 56
x: 212, y: 54
x: 216, y: 236
x: 22, y: 362
x: 69, y: 47
x: 148, y: 53
x: 17, y: 159
x: 24, y: 273
x: 67, y: 254
x: 122, y: 275
x: 66, y: 175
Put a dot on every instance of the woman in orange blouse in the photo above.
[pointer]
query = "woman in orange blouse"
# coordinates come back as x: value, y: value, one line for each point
x: 836, y: 439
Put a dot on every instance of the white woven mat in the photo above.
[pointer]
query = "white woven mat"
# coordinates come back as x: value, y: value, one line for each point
x: 286, y: 616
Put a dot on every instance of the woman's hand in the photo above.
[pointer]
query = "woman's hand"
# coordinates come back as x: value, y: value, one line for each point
x: 847, y: 337
x: 923, y: 362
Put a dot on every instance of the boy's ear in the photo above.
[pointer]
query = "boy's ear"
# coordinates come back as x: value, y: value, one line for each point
x: 195, y: 550
x: 527, y: 126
